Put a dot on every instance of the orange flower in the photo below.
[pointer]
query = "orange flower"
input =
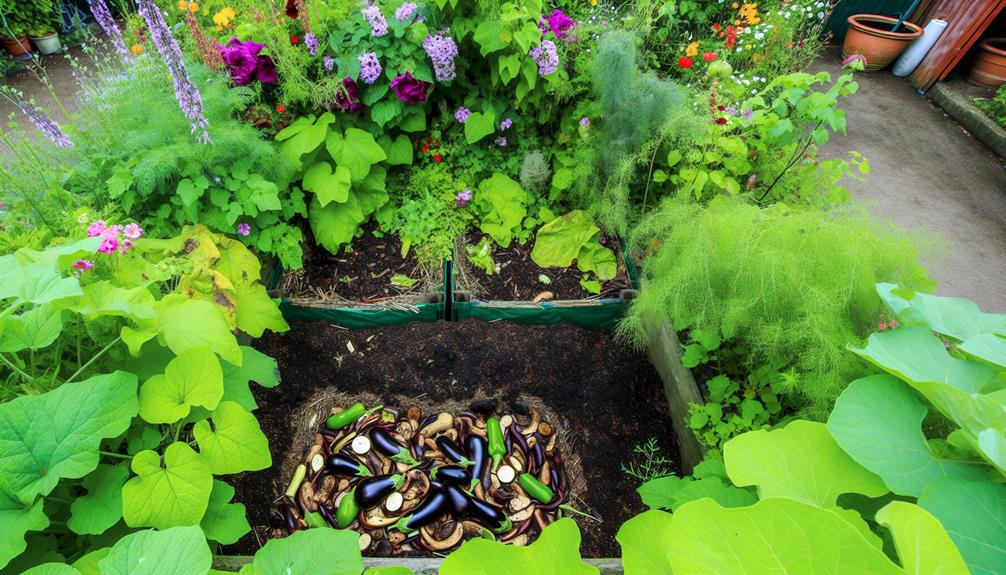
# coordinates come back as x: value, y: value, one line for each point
x: 136, y: 49
x: 692, y: 49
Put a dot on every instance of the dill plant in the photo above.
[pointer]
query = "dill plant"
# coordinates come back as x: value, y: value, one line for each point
x: 791, y: 287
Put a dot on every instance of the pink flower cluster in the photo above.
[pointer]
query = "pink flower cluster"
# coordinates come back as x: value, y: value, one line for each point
x: 114, y: 238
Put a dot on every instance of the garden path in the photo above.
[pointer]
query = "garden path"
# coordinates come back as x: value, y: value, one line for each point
x: 930, y: 176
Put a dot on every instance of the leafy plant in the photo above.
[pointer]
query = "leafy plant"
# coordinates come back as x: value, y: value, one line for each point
x: 995, y: 107
x: 652, y: 465
x: 501, y: 205
x: 574, y: 238
x: 557, y: 550
x: 481, y: 255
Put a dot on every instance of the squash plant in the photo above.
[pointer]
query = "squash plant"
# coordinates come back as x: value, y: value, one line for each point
x: 128, y: 394
x: 574, y: 238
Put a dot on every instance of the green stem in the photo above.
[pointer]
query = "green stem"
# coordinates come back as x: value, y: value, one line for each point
x: 93, y: 359
x: 15, y: 368
x: 115, y: 455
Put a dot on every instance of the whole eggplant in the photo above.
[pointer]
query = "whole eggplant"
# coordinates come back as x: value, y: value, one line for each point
x: 385, y: 444
x: 450, y: 474
x: 478, y: 449
x: 341, y: 464
x: 372, y: 490
x: 489, y: 515
x: 460, y: 502
x: 427, y: 513
x: 452, y: 451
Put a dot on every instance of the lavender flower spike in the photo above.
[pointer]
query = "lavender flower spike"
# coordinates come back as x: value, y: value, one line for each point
x: 104, y: 18
x: 44, y: 123
x: 185, y: 92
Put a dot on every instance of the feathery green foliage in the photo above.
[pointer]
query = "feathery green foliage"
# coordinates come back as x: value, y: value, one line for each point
x: 791, y: 286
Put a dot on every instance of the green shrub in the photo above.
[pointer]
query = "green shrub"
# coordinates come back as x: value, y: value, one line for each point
x: 995, y: 107
x: 791, y: 287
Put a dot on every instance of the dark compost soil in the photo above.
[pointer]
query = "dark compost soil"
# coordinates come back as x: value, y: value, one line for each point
x: 609, y: 398
x: 517, y: 278
x: 364, y: 274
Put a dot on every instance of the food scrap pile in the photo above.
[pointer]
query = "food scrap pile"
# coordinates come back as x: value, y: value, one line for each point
x: 410, y: 483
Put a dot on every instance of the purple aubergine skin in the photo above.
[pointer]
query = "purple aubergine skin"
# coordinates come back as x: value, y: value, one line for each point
x: 488, y: 514
x: 373, y: 490
x: 384, y: 442
x: 479, y: 451
x: 453, y: 474
x: 341, y: 464
x: 429, y: 511
x: 460, y: 502
x: 450, y: 449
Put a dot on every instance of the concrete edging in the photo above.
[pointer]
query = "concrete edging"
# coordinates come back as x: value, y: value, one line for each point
x: 963, y: 110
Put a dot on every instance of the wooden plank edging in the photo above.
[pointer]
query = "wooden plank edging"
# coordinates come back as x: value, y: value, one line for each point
x: 419, y: 566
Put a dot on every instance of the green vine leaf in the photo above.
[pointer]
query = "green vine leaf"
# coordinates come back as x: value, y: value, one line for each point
x: 556, y: 551
x: 224, y: 522
x: 922, y: 543
x: 16, y: 519
x: 193, y: 378
x: 234, y: 443
x: 175, y: 551
x: 974, y: 514
x: 256, y: 366
x: 169, y: 494
x: 326, y: 184
x: 183, y: 324
x: 256, y: 311
x: 45, y: 438
x: 319, y: 551
x: 101, y: 508
x: 52, y: 569
x: 36, y: 328
x: 356, y: 150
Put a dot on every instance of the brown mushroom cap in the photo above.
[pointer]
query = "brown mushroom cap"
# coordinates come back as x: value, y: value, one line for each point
x: 450, y: 533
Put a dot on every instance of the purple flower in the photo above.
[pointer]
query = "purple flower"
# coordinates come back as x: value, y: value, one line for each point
x: 244, y: 230
x: 312, y: 43
x: 108, y: 245
x: 462, y: 199
x: 731, y: 110
x: 462, y: 115
x: 501, y: 141
x: 585, y: 122
x: 405, y: 11
x: 409, y: 89
x: 546, y: 57
x: 107, y: 23
x: 378, y: 25
x: 505, y: 124
x: 329, y: 62
x: 44, y: 123
x: 246, y: 64
x: 96, y: 229
x: 370, y: 68
x: 83, y: 265
x: 442, y: 51
x: 558, y: 23
x: 185, y: 91
x: 747, y: 114
x: 348, y: 99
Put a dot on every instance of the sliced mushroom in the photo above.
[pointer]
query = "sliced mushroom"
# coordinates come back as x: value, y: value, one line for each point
x: 414, y: 414
x: 309, y: 458
x: 520, y: 540
x: 417, y: 485
x: 452, y: 434
x: 545, y: 429
x: 506, y: 421
x: 472, y: 528
x: 545, y: 475
x: 481, y: 432
x: 443, y: 422
x: 375, y: 517
x: 365, y: 540
x: 550, y: 446
x: 533, y: 426
x: 519, y: 503
x: 449, y: 540
x: 307, y: 496
x: 406, y: 428
x: 323, y: 494
x: 342, y: 485
x: 541, y: 519
x: 337, y: 447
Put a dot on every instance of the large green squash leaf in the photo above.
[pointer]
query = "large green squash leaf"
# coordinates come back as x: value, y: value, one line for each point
x: 556, y: 551
x: 558, y: 242
x: 355, y: 150
x: 922, y: 543
x: 327, y: 185
x: 43, y: 284
x: 36, y: 328
x: 645, y: 540
x: 44, y: 438
x: 256, y: 311
x: 104, y: 298
x: 101, y: 508
x: 234, y: 442
x: 801, y: 461
x: 974, y: 514
x: 304, y: 135
x: 163, y: 496
x: 956, y: 317
x: 224, y: 522
x: 672, y: 492
x: 193, y: 378
x: 183, y: 324
x: 256, y: 366
x: 479, y: 125
x: 175, y: 551
x: 16, y: 519
x: 52, y: 569
x: 877, y: 420
x: 319, y: 551
x: 335, y: 225
x: 501, y: 203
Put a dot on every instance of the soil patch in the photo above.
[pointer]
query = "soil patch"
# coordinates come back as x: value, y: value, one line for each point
x: 517, y: 276
x: 605, y: 397
x: 363, y: 274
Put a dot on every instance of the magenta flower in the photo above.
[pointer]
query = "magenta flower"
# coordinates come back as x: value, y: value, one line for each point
x: 558, y: 23
x: 109, y: 245
x: 3, y: 206
x: 96, y: 229
x: 244, y: 230
x: 132, y: 231
x: 348, y: 100
x: 409, y: 89
x: 855, y: 61
x: 246, y: 64
x: 463, y: 198
x: 83, y: 265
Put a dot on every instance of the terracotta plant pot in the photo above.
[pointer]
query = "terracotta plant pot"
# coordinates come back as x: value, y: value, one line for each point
x: 16, y: 47
x: 870, y: 36
x: 990, y: 65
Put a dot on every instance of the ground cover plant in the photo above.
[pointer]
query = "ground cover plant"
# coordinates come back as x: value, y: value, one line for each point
x: 525, y: 139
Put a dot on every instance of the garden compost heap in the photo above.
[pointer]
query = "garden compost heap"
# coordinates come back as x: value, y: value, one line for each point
x: 409, y: 482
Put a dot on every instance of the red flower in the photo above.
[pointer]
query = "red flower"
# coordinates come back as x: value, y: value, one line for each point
x: 437, y: 159
x: 685, y: 62
x: 721, y: 107
x: 280, y: 108
x: 721, y: 121
x: 717, y: 27
x: 294, y: 40
x: 426, y: 148
x: 709, y: 56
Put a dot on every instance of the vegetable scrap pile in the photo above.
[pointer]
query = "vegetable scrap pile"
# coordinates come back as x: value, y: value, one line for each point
x: 413, y: 483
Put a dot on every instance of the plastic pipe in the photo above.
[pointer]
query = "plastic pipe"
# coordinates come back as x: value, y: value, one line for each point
x: 916, y: 52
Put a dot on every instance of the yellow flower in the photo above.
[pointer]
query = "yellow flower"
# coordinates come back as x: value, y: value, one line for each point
x: 757, y: 58
x: 136, y: 49
x: 735, y: 5
x: 692, y: 49
x: 593, y: 2
x: 193, y: 7
x: 182, y: 4
x: 223, y: 17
